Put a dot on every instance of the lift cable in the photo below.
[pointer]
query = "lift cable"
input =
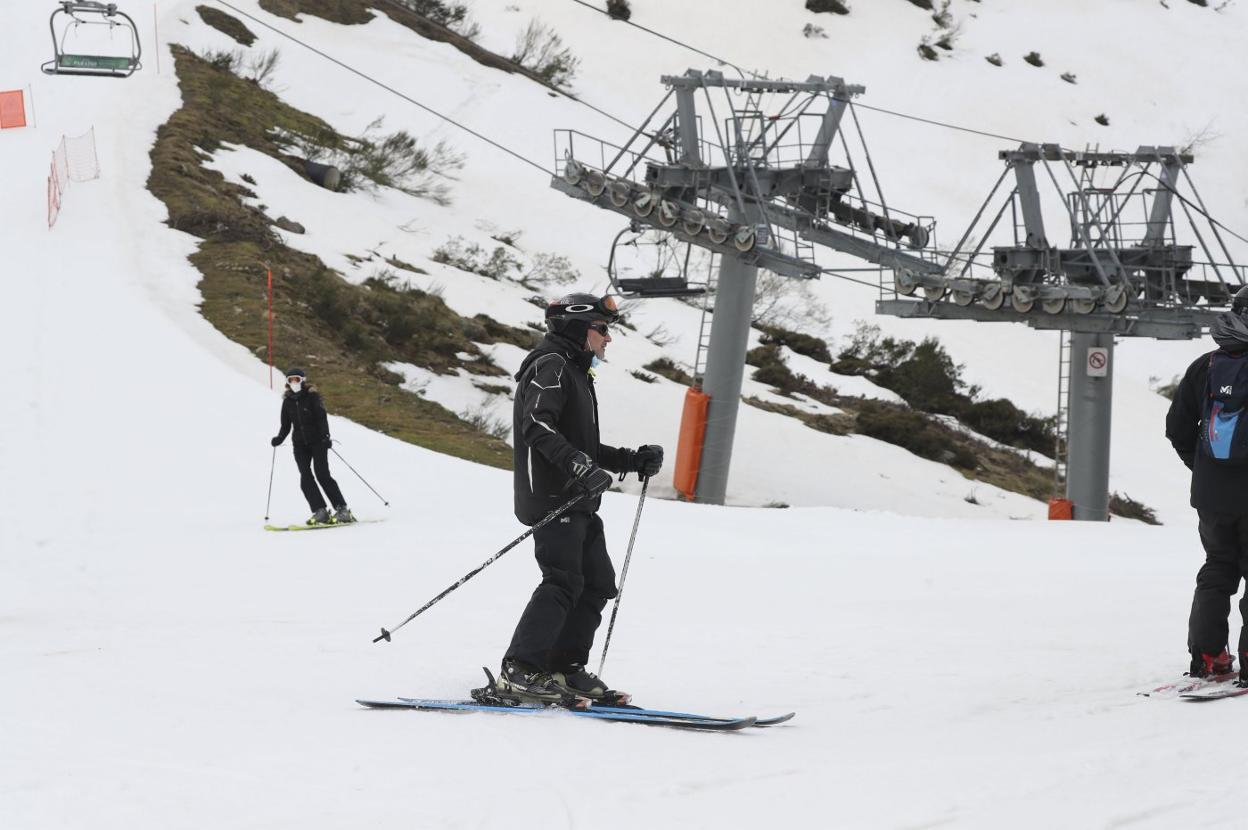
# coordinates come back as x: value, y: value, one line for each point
x: 513, y: 153
x: 725, y: 62
x: 389, y: 89
x: 673, y: 40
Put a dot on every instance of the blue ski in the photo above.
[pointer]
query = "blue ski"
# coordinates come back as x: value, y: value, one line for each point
x: 659, y: 713
x: 616, y: 715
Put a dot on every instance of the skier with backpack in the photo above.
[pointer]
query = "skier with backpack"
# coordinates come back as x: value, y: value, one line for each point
x: 303, y: 411
x: 1208, y: 427
x: 558, y: 456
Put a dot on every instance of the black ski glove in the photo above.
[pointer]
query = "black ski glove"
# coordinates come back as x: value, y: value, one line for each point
x: 328, y: 443
x: 275, y: 441
x: 648, y: 460
x: 587, y: 477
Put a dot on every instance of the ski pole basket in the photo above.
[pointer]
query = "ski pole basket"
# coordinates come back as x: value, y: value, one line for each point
x: 66, y: 25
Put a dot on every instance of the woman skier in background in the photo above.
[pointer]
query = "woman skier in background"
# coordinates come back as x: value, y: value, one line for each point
x: 304, y: 411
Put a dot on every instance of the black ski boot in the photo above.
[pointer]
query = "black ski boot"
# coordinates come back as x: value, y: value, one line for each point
x: 577, y: 680
x: 1211, y: 665
x: 529, y: 684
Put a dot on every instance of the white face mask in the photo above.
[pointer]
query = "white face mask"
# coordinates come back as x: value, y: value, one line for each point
x: 295, y: 387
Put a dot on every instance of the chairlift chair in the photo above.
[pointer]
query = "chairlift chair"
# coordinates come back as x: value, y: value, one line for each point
x: 90, y: 13
x: 653, y: 286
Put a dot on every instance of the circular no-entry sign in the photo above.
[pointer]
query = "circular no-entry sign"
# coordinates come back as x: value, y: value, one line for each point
x: 1098, y: 362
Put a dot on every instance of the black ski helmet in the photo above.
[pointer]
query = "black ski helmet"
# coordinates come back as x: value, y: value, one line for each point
x: 571, y: 314
x: 1239, y: 303
x: 294, y: 371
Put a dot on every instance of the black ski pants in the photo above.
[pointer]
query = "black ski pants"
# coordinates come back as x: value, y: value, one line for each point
x: 1225, y: 538
x: 316, y: 458
x: 557, y: 626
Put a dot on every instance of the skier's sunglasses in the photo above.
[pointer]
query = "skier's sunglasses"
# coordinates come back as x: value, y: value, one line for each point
x: 601, y: 328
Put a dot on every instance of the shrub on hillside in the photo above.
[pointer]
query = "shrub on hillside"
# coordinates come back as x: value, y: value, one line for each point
x: 926, y: 377
x: 550, y: 269
x: 619, y: 9
x: 1127, y: 507
x: 666, y: 368
x: 787, y: 303
x: 813, y: 347
x: 459, y: 253
x: 771, y: 369
x: 833, y: 6
x: 912, y: 431
x: 374, y: 160
x: 453, y: 16
x: 540, y: 49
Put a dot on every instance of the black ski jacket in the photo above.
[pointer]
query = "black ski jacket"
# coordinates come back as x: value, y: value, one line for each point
x: 1216, y: 488
x: 305, y: 412
x: 554, y: 416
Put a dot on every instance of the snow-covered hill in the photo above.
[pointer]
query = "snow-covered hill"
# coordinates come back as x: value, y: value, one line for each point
x: 169, y: 665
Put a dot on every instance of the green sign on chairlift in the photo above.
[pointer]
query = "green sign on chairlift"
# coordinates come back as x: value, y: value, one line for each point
x: 117, y: 64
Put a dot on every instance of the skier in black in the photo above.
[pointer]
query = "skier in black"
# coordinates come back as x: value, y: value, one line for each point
x: 1212, y: 440
x: 304, y: 410
x: 557, y: 455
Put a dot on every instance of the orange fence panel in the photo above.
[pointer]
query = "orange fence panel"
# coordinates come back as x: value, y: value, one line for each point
x: 12, y: 109
x: 689, y: 448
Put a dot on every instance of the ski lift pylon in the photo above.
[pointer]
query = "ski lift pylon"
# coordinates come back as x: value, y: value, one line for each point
x: 91, y: 13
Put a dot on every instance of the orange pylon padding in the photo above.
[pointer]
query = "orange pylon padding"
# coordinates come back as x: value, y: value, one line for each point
x: 689, y: 448
x: 1061, y: 509
x: 12, y: 109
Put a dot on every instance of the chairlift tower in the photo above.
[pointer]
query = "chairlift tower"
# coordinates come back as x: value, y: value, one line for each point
x: 755, y: 190
x: 1124, y: 273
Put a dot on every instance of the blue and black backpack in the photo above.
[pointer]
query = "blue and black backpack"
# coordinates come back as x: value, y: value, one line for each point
x: 1224, y: 425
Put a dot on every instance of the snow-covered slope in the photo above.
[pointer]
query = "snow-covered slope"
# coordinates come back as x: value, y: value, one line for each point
x: 168, y: 665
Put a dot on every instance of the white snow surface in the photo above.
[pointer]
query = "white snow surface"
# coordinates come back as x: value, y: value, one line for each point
x: 170, y: 665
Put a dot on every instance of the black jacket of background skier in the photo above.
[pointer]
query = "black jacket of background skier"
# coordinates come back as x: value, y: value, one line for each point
x: 556, y: 415
x: 304, y: 412
x: 1216, y: 488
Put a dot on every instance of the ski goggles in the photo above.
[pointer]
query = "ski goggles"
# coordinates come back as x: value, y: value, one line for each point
x: 605, y: 306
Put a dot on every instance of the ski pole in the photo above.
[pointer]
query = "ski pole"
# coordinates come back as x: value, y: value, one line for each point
x: 623, y: 575
x: 269, y: 501
x: 360, y: 477
x: 385, y: 633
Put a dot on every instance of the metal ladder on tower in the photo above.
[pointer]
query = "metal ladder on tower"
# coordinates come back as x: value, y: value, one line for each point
x: 1062, y: 427
x: 704, y: 328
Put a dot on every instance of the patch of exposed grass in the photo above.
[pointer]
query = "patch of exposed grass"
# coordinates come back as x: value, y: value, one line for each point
x: 669, y: 370
x: 928, y: 438
x: 813, y: 347
x: 338, y: 331
x: 351, y: 12
x: 1127, y: 507
x: 405, y: 266
x: 226, y: 24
